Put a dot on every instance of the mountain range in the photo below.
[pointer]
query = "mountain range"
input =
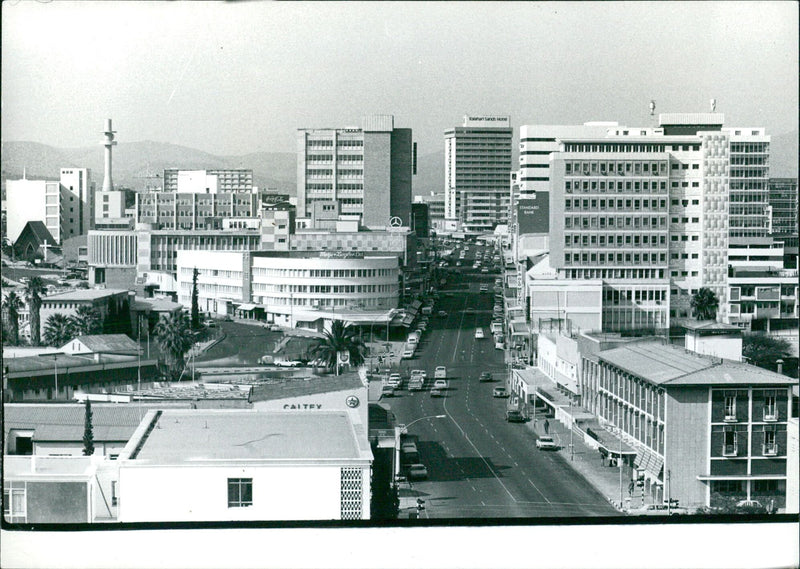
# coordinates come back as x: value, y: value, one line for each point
x: 138, y: 165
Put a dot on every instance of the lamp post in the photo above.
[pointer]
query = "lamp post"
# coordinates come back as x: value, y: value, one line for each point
x: 405, y: 427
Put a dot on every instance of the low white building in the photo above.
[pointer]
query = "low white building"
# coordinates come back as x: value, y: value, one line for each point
x: 234, y: 465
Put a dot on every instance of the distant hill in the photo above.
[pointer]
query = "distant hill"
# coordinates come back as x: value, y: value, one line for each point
x: 137, y: 163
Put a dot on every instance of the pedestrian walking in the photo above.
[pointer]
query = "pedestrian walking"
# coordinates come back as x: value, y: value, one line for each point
x: 546, y: 426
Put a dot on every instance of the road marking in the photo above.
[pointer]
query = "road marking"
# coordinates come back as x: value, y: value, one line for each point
x: 539, y: 491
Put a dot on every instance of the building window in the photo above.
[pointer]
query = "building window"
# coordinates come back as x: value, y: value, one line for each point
x: 14, y: 502
x: 240, y: 492
x: 730, y: 407
x: 114, y: 500
x: 770, y: 407
x: 770, y: 443
x: 729, y: 446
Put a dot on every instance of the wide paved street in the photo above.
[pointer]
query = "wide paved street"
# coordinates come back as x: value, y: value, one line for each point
x: 480, y: 465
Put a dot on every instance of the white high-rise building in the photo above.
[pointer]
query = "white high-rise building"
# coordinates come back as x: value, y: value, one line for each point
x: 77, y: 195
x: 477, y: 170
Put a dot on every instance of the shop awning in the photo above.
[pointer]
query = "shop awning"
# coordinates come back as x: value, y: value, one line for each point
x: 246, y: 307
x: 650, y: 462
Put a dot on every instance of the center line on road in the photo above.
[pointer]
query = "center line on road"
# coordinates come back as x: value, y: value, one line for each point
x: 539, y: 491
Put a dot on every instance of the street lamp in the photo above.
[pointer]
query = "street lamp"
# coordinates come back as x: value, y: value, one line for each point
x: 405, y: 427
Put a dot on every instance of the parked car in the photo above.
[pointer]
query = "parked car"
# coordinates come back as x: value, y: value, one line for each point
x: 750, y: 507
x: 499, y: 345
x: 658, y: 510
x: 274, y: 328
x: 499, y: 392
x: 417, y: 472
x: 442, y: 313
x: 395, y: 380
x: 407, y: 354
x: 485, y: 376
x: 546, y: 443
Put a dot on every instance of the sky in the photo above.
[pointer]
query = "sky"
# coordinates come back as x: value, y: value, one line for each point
x: 238, y: 77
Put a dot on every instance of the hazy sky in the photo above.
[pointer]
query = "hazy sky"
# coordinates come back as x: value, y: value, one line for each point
x: 232, y: 78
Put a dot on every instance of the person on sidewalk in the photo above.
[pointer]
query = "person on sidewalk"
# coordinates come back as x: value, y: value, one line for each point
x: 546, y: 427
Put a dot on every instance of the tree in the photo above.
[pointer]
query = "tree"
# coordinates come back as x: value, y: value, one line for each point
x: 195, y: 303
x: 763, y: 350
x: 58, y: 330
x: 33, y: 293
x: 88, y: 430
x: 340, y: 339
x: 704, y: 304
x: 12, y: 304
x: 86, y: 321
x: 174, y: 336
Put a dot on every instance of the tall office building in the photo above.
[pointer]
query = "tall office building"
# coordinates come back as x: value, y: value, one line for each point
x: 717, y: 195
x: 366, y: 170
x: 208, y: 181
x: 477, y: 170
x: 77, y: 194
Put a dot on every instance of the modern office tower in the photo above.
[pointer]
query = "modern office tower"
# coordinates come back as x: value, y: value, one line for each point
x: 477, y: 169
x: 208, y: 181
x: 435, y: 203
x: 783, y: 202
x: 717, y: 191
x: 77, y: 195
x: 420, y: 219
x: 366, y: 170
x: 109, y: 207
x: 609, y: 221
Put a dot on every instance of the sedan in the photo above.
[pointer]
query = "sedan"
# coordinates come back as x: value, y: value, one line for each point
x: 485, y: 376
x: 546, y: 443
x: 442, y: 313
x: 440, y: 384
x: 387, y: 391
x: 437, y: 392
x: 500, y: 392
x: 417, y: 472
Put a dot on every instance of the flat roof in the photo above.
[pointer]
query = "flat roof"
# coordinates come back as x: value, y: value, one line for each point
x: 673, y: 365
x: 200, y: 435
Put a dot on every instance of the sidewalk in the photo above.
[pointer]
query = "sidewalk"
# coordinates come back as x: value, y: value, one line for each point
x: 589, y: 464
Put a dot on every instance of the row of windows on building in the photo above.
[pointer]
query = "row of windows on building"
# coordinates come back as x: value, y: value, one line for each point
x: 341, y: 143
x: 322, y: 273
x: 621, y: 147
x: 748, y: 147
x: 618, y: 258
x: 628, y: 221
x: 614, y: 240
x: 627, y: 186
x: 621, y: 273
x: 339, y: 158
x: 324, y: 289
x: 363, y: 302
x: 327, y: 172
x: 602, y: 204
x: 621, y: 168
x: 186, y: 273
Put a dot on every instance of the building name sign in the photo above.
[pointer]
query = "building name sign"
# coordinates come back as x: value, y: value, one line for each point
x: 497, y: 120
x: 302, y: 406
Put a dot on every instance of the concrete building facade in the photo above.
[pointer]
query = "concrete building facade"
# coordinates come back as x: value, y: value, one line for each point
x: 477, y: 170
x: 367, y: 170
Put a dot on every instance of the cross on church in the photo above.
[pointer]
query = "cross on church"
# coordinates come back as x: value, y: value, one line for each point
x: 45, y: 245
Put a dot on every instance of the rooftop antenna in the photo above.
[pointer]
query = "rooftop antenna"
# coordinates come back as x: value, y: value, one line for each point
x: 713, y: 105
x: 652, y: 107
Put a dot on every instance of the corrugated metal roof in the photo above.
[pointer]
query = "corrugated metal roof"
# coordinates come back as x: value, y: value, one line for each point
x: 672, y: 365
x: 47, y: 364
x: 108, y: 343
x: 82, y: 294
x: 66, y: 422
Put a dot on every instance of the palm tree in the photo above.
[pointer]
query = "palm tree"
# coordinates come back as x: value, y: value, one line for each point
x: 174, y: 336
x: 341, y: 339
x: 33, y: 293
x: 12, y: 304
x: 705, y: 304
x: 58, y: 330
x: 86, y: 321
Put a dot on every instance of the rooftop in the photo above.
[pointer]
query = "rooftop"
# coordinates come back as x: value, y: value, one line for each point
x: 83, y: 294
x: 65, y: 422
x: 672, y: 365
x: 193, y: 435
x: 108, y: 343
x: 294, y: 387
x: 28, y: 365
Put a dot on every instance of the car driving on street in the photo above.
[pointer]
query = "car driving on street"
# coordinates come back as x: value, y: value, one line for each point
x: 546, y: 443
x: 499, y: 392
x: 485, y: 376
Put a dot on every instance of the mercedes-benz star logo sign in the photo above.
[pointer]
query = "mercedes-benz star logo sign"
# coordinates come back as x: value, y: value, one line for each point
x: 395, y: 222
x: 352, y: 401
